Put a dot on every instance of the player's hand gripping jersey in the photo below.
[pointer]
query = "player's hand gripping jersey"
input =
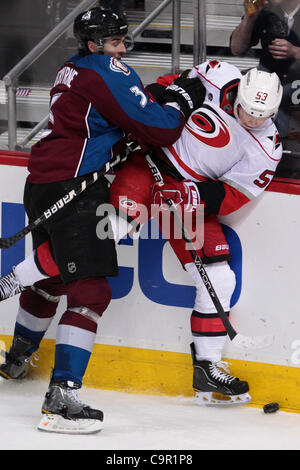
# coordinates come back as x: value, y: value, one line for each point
x: 214, y: 147
x: 102, y: 96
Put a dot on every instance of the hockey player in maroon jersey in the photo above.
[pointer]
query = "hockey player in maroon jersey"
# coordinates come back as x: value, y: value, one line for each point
x: 95, y: 100
x: 226, y: 156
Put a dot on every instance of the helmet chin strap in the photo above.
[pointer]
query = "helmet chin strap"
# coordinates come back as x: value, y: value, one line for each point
x: 236, y: 113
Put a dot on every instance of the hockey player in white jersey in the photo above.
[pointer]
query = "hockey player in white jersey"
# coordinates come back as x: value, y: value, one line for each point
x: 230, y: 149
x: 227, y: 155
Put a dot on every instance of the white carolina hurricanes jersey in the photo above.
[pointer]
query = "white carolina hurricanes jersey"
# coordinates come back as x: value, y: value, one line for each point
x: 214, y: 146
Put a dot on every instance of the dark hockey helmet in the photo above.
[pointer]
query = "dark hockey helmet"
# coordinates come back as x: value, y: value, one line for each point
x: 98, y: 24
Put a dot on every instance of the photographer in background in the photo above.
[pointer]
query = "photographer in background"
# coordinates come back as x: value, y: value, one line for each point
x: 276, y: 24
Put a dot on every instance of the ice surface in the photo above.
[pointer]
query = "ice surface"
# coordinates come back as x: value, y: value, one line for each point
x: 144, y: 422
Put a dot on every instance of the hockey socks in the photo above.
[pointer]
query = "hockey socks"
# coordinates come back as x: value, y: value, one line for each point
x: 77, y: 329
x: 75, y: 338
x: 38, y: 306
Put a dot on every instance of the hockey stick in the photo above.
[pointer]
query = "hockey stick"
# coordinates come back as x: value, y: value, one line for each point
x: 244, y: 342
x: 67, y: 198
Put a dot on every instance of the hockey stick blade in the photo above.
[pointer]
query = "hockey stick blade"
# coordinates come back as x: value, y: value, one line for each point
x: 10, y: 241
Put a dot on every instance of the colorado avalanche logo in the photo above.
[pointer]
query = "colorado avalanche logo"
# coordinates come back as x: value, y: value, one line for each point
x: 118, y: 66
x: 87, y: 15
x: 209, y: 127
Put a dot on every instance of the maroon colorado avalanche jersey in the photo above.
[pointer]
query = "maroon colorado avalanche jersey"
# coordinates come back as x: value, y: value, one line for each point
x: 94, y: 100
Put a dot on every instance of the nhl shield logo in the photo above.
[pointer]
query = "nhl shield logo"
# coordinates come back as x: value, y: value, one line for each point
x: 71, y: 268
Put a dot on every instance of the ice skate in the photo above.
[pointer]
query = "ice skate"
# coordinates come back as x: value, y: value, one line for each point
x: 15, y: 365
x: 10, y: 286
x: 215, y: 386
x: 64, y: 413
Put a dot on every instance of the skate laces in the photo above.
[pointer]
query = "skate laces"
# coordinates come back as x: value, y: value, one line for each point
x: 72, y: 395
x: 29, y: 360
x: 76, y: 398
x: 217, y: 373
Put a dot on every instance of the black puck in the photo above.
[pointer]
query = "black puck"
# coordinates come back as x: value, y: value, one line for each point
x: 271, y: 407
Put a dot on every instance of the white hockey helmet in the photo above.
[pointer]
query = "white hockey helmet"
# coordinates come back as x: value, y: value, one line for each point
x: 259, y: 94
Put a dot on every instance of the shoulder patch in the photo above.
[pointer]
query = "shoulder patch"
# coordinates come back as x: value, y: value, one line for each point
x: 118, y: 66
x: 212, y: 64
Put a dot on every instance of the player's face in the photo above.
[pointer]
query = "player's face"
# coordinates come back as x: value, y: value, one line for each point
x: 249, y: 122
x: 115, y: 47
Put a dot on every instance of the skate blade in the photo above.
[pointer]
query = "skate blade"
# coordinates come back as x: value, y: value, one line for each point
x: 58, y: 424
x: 217, y: 399
x: 5, y: 376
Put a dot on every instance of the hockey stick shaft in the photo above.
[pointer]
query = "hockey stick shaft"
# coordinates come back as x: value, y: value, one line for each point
x: 245, y: 342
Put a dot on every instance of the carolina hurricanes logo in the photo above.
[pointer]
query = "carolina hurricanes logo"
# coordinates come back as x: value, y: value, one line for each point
x: 209, y: 127
x: 214, y: 63
x: 128, y: 203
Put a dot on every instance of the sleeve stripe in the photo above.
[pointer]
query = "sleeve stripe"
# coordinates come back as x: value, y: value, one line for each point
x: 85, y: 140
x: 186, y: 168
x: 233, y: 200
x: 238, y: 187
x: 204, y: 78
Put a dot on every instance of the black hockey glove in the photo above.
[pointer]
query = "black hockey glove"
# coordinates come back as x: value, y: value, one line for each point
x: 122, y: 149
x: 189, y: 93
